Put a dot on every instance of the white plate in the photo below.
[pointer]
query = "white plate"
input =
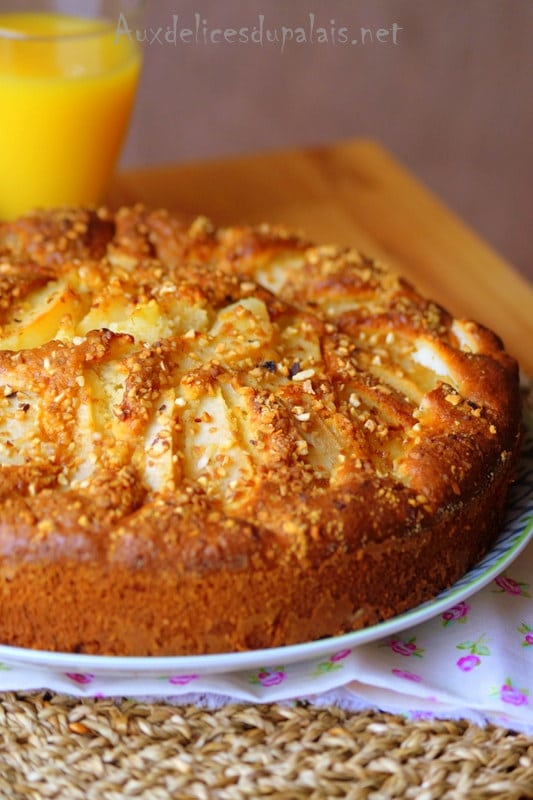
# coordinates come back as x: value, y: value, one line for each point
x: 517, y: 531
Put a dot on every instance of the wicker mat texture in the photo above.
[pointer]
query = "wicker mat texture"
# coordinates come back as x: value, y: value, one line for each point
x: 59, y: 747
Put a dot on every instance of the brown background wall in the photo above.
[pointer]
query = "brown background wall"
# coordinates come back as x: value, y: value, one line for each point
x: 452, y: 99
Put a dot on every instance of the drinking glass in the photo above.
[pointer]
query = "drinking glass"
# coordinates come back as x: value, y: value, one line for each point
x: 68, y: 75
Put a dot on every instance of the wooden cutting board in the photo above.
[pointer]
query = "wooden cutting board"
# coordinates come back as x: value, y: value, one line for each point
x: 354, y: 193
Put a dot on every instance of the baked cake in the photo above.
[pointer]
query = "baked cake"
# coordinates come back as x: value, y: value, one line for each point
x: 220, y: 439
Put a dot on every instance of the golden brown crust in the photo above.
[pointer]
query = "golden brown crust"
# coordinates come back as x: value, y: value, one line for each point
x: 216, y: 439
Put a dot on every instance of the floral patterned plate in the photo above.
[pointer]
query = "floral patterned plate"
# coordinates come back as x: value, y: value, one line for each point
x: 514, y: 537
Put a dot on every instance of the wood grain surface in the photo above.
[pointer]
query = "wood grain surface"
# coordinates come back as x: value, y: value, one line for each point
x: 354, y: 193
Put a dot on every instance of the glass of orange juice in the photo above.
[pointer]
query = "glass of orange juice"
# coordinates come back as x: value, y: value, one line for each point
x: 67, y: 86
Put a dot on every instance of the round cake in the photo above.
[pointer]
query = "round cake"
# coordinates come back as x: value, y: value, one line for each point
x: 214, y: 440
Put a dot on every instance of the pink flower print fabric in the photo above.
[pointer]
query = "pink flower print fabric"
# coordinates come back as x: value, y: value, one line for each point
x: 333, y: 664
x: 511, y: 695
x: 476, y: 650
x: 269, y: 676
x: 182, y: 680
x: 406, y: 675
x: 527, y: 631
x: 405, y: 647
x: 457, y: 613
x: 512, y: 587
x: 81, y: 678
x: 467, y: 663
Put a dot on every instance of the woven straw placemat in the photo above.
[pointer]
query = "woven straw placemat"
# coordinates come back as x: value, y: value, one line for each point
x: 59, y: 747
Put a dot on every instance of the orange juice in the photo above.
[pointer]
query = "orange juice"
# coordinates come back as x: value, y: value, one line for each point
x: 66, y: 91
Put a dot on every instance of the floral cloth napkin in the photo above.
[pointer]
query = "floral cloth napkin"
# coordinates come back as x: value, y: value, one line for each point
x: 473, y: 659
